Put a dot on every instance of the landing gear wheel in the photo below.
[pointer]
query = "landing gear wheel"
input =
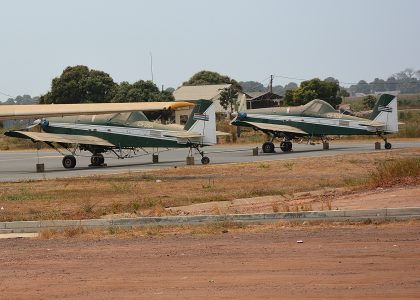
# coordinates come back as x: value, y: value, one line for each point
x: 69, y: 161
x: 268, y: 147
x: 286, y: 146
x: 388, y: 145
x: 97, y: 159
x: 205, y: 160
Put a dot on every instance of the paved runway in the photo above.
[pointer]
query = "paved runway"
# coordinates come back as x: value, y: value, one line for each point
x: 20, y: 165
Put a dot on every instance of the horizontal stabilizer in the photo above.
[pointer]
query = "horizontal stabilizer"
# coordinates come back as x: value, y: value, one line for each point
x: 373, y: 123
x: 183, y: 134
x: 60, y: 138
x: 12, y: 112
x: 276, y: 127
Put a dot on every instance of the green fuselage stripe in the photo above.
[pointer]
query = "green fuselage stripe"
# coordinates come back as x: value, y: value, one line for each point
x: 313, y: 126
x: 124, y: 137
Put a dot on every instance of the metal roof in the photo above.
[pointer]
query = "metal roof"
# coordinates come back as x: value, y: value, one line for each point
x: 197, y: 92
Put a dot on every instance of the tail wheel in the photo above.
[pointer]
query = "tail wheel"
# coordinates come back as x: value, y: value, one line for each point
x: 205, y: 160
x: 69, y: 161
x: 97, y: 159
x: 268, y: 147
x: 286, y: 146
x: 388, y: 145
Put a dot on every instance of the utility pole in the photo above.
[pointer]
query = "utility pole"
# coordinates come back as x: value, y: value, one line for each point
x: 271, y: 83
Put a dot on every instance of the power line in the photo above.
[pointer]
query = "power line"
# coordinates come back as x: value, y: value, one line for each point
x: 355, y: 83
x: 6, y: 95
x: 256, y: 85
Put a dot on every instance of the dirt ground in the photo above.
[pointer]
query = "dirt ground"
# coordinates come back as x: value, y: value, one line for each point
x: 346, y: 261
x: 291, y: 182
x: 395, y: 197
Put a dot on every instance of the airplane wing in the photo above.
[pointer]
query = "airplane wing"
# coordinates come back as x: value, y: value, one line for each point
x: 276, y: 127
x: 60, y: 138
x: 8, y: 112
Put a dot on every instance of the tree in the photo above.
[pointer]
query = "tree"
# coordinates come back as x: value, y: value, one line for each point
x: 331, y: 79
x: 406, y: 74
x: 377, y: 85
x: 391, y: 84
x: 170, y: 90
x: 78, y: 84
x: 343, y: 92
x: 278, y: 89
x: 209, y: 77
x: 290, y: 86
x: 252, y: 86
x: 21, y: 100
x: 361, y: 87
x: 229, y: 98
x: 369, y: 101
x: 140, y: 91
x: 314, y: 89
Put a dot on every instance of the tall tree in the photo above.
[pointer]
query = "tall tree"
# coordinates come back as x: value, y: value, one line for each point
x: 140, y: 91
x: 78, y: 84
x: 314, y: 89
x: 209, y: 77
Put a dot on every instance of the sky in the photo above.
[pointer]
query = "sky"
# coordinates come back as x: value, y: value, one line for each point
x: 244, y: 39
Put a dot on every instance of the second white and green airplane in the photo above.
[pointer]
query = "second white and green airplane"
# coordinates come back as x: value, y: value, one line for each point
x: 318, y: 120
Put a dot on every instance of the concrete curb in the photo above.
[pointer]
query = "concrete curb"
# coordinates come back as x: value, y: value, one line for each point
x: 333, y: 215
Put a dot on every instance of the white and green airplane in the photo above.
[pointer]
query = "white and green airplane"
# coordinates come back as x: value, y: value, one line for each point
x: 318, y: 120
x: 118, y: 128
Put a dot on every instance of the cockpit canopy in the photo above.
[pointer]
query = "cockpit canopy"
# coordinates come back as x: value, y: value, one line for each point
x: 317, y: 108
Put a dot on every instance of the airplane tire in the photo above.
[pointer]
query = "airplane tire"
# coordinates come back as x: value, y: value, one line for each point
x: 69, y: 161
x: 268, y: 147
x: 388, y: 145
x: 97, y: 159
x: 205, y: 160
x: 286, y: 146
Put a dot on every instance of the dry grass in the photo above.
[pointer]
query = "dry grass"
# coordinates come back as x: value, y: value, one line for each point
x: 211, y: 229
x: 397, y: 171
x: 139, y: 193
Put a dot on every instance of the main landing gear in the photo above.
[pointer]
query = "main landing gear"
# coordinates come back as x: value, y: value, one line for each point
x: 69, y: 161
x: 285, y: 146
x: 268, y: 147
x: 97, y: 160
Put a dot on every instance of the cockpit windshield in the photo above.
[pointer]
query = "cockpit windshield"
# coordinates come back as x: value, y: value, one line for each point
x: 317, y: 107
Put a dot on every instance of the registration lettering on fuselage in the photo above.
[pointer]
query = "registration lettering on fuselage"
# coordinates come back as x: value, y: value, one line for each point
x: 343, y: 123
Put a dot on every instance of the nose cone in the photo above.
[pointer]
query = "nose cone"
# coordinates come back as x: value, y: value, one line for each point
x: 241, y: 116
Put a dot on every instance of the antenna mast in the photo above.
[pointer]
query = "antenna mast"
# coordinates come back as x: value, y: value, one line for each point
x: 151, y: 64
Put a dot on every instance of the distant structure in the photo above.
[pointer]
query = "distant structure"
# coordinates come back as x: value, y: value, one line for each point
x: 193, y: 93
x: 263, y: 99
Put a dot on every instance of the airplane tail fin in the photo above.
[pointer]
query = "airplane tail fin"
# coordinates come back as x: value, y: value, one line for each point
x: 203, y: 120
x: 385, y: 111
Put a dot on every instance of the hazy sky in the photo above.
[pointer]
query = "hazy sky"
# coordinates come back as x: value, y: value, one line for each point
x: 247, y: 40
